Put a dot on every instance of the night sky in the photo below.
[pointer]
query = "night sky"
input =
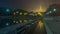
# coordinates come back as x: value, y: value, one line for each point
x: 30, y: 5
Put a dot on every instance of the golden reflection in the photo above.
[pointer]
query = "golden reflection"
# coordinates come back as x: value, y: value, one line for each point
x: 25, y: 20
x: 41, y: 24
x: 20, y: 21
x: 14, y: 21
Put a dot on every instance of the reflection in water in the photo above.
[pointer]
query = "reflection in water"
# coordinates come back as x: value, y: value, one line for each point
x: 41, y: 24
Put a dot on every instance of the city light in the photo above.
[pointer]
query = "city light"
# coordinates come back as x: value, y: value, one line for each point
x: 50, y: 12
x: 54, y: 9
x: 20, y: 21
x: 14, y: 13
x: 17, y: 22
x: 39, y: 13
x: 14, y: 21
x: 25, y: 20
x: 20, y: 13
x: 17, y: 12
x: 41, y: 9
x: 7, y: 10
x: 25, y: 13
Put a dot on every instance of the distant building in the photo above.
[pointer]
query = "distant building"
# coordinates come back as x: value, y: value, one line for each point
x: 53, y: 10
x: 22, y: 15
